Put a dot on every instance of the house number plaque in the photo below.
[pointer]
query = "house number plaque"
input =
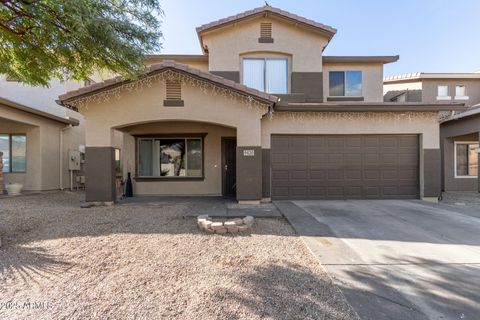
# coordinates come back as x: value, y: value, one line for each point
x: 248, y: 153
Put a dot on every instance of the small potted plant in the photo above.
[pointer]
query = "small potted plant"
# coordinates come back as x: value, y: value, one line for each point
x: 14, y: 189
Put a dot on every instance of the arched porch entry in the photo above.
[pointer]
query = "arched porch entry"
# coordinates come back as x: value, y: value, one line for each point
x: 180, y: 158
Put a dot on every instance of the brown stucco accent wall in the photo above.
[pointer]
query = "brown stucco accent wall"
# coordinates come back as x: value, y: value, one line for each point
x: 249, y: 174
x: 308, y: 83
x: 450, y: 183
x: 431, y: 173
x: 100, y: 174
x: 266, y: 173
x: 230, y: 75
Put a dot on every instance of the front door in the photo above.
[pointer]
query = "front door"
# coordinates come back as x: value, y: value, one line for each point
x: 229, y: 170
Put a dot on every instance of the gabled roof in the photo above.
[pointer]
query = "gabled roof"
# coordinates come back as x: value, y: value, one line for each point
x: 265, y: 11
x: 70, y: 96
x: 18, y: 106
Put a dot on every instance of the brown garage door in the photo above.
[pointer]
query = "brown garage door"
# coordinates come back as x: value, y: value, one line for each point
x: 344, y: 167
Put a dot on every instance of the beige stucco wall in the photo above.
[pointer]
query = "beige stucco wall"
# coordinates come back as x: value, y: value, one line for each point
x: 43, y: 145
x: 425, y: 124
x: 201, y: 65
x: 211, y: 185
x: 32, y: 179
x: 225, y: 45
x: 146, y: 105
x: 414, y: 85
x: 372, y: 78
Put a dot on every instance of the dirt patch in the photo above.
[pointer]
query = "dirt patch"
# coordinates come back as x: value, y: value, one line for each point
x: 149, y: 262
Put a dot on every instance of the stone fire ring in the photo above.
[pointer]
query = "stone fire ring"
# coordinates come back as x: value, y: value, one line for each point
x: 236, y: 225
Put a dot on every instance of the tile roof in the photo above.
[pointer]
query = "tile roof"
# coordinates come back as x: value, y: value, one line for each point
x: 267, y: 9
x: 16, y: 105
x: 164, y: 65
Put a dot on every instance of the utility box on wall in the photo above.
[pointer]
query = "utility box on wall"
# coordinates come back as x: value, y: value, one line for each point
x: 74, y: 160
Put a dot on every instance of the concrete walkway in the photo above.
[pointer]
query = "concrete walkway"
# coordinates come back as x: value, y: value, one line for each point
x: 395, y: 259
x: 219, y: 207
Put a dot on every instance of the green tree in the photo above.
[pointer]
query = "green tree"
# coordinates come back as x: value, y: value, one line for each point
x: 69, y: 39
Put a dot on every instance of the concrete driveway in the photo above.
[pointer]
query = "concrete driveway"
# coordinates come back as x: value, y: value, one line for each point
x: 396, y: 259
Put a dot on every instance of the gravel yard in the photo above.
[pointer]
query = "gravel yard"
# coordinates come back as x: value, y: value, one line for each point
x: 145, y: 261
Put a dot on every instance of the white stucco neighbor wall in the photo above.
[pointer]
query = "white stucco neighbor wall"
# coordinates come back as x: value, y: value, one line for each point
x: 41, y: 98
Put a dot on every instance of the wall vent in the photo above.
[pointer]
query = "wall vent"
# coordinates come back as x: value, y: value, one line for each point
x: 173, y: 94
x: 265, y: 32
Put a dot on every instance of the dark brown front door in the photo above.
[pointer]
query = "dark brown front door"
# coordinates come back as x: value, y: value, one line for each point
x: 229, y: 171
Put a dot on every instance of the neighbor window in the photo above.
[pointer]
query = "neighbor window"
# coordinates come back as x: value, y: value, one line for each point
x: 268, y: 75
x: 14, y: 148
x: 466, y: 159
x: 170, y: 157
x: 442, y: 93
x: 345, y: 83
x: 460, y: 92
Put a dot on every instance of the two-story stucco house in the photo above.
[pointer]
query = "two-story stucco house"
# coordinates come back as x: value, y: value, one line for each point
x: 261, y: 114
x: 459, y: 132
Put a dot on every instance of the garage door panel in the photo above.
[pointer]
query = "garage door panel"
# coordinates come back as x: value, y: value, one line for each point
x: 317, y: 174
x: 298, y: 175
x: 335, y: 158
x: 345, y: 166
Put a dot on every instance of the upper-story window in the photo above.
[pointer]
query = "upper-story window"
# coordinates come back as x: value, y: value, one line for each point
x: 461, y: 92
x: 442, y: 93
x: 266, y: 74
x: 345, y: 83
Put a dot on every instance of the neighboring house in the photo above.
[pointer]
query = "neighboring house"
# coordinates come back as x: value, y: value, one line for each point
x: 433, y: 87
x: 459, y: 132
x: 33, y: 131
x: 262, y: 114
x: 31, y: 142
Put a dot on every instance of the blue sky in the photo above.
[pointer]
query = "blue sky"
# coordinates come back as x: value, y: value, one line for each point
x: 429, y: 35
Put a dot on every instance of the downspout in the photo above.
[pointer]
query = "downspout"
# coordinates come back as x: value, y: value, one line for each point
x: 61, y: 154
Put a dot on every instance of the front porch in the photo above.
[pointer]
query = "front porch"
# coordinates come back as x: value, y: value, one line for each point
x: 180, y: 158
x: 218, y: 207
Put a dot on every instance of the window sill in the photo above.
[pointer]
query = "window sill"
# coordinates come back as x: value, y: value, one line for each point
x: 173, y: 103
x: 462, y: 97
x: 156, y: 179
x: 466, y: 177
x: 345, y: 98
x: 444, y: 98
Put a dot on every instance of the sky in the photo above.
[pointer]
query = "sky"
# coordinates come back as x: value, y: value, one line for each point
x: 429, y: 35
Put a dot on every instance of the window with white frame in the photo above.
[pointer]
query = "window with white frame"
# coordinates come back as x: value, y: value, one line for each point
x: 14, y: 148
x: 170, y: 157
x: 266, y: 74
x: 345, y: 83
x: 461, y: 92
x: 442, y: 93
x: 466, y: 159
